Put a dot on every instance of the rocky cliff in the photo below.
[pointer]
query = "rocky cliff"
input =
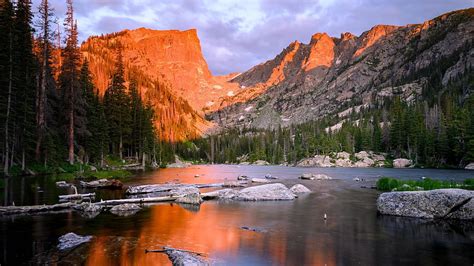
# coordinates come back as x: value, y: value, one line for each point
x: 171, y: 72
x: 334, y: 76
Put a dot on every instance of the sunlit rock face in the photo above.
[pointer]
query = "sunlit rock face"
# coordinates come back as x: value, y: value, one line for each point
x: 328, y: 75
x: 171, y: 72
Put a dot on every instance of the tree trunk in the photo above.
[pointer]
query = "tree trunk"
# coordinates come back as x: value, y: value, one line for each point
x: 71, y: 125
x: 7, y: 118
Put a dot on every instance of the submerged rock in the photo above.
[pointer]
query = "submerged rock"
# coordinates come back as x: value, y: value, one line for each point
x: 125, y: 209
x: 253, y: 229
x: 88, y: 210
x: 315, y: 176
x: 71, y: 240
x: 299, y: 189
x: 440, y: 203
x: 260, y: 180
x: 178, y: 257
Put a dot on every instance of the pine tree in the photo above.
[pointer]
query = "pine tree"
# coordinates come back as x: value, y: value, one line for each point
x: 69, y: 80
x: 117, y: 107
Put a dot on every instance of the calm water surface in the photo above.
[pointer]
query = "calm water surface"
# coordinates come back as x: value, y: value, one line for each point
x: 292, y: 232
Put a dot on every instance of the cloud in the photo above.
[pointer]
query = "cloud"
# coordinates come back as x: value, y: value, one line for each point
x: 236, y: 35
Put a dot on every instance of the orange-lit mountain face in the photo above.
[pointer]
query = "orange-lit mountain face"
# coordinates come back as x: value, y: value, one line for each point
x: 172, y: 73
x: 331, y: 76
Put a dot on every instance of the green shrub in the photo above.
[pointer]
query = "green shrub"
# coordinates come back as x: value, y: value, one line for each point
x: 392, y: 184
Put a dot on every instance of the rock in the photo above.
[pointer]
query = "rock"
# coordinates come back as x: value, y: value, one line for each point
x: 178, y: 257
x: 440, y: 203
x: 299, y: 189
x: 231, y: 184
x: 71, y: 240
x: 343, y: 155
x: 62, y: 184
x: 223, y: 194
x: 307, y: 176
x: 244, y: 163
x: 378, y: 157
x: 193, y: 198
x: 344, y: 163
x: 316, y: 161
x: 103, y: 183
x: 260, y: 180
x: 356, y: 179
x: 178, y: 163
x: 92, y: 168
x: 88, y: 210
x: 362, y: 155
x: 322, y: 177
x: 269, y: 176
x: 401, y: 163
x: 261, y: 163
x: 253, y: 229
x: 361, y: 164
x: 242, y: 177
x: 125, y: 209
x: 469, y: 166
x: 275, y: 191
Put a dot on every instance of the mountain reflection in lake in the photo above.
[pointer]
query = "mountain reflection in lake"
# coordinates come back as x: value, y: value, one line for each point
x: 289, y: 232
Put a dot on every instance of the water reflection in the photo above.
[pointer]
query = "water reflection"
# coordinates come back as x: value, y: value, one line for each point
x: 294, y: 232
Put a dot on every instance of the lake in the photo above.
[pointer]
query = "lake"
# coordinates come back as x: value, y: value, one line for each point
x: 289, y: 232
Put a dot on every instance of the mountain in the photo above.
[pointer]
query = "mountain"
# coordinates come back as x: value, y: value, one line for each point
x: 171, y: 71
x: 337, y: 76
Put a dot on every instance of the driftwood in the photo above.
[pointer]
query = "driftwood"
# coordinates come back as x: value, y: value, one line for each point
x: 35, y: 209
x: 103, y: 183
x: 76, y: 196
x: 137, y: 201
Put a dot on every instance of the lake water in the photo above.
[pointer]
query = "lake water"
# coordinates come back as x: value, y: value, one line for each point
x: 290, y: 232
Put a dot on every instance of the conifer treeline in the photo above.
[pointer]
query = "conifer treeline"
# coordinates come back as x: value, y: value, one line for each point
x: 47, y: 120
x: 435, y: 131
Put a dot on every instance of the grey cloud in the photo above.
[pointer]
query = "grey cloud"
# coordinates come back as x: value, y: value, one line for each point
x: 231, y: 45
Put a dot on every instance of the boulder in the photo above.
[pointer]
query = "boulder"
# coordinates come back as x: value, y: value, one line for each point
x: 125, y: 209
x: 362, y: 155
x: 231, y: 184
x: 378, y: 157
x: 275, y: 191
x: 223, y: 194
x: 344, y: 163
x: 193, y: 198
x: 361, y: 164
x: 316, y: 161
x: 469, y: 166
x: 315, y: 176
x: 71, y: 240
x: 343, y: 155
x: 401, y: 163
x: 299, y: 189
x: 242, y: 177
x: 261, y: 163
x: 244, y: 163
x: 307, y: 176
x: 440, y: 203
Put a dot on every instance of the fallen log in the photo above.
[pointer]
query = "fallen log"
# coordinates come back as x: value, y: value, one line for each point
x: 76, y: 196
x: 103, y: 183
x: 137, y: 201
x: 35, y: 209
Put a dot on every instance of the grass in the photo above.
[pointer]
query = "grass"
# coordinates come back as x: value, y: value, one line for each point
x: 393, y: 184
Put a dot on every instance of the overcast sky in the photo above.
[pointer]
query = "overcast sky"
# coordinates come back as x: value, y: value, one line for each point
x: 236, y: 35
